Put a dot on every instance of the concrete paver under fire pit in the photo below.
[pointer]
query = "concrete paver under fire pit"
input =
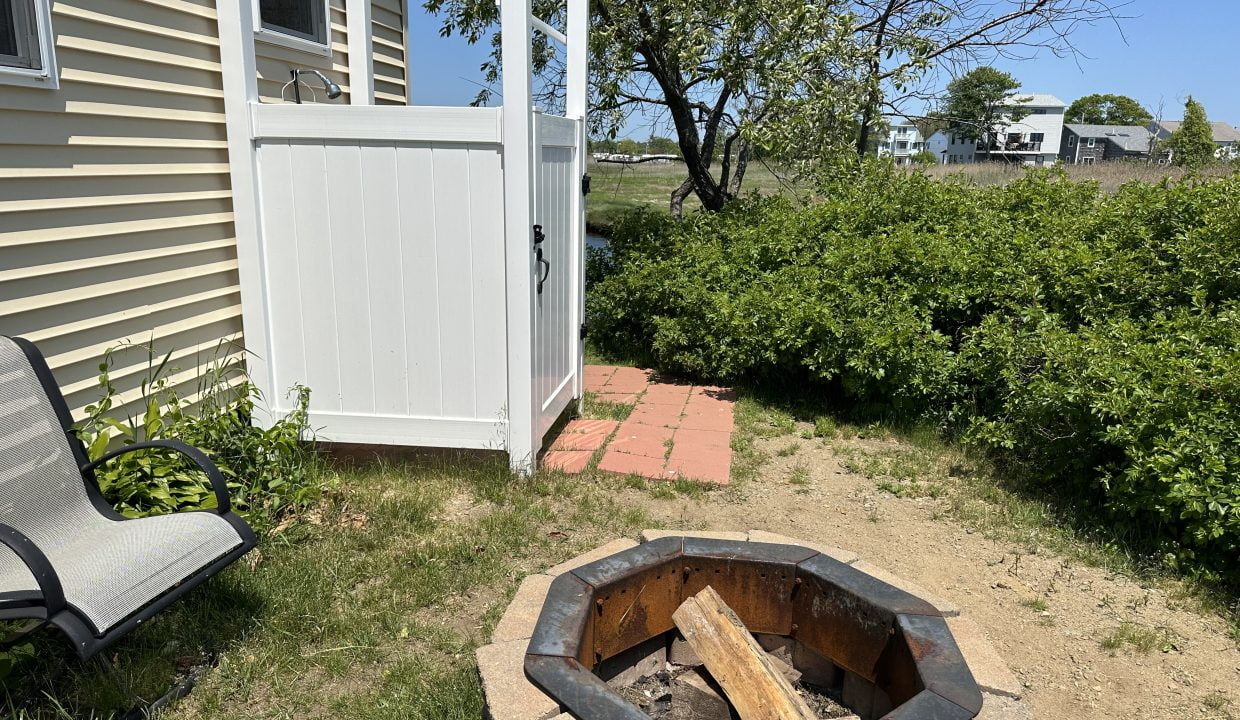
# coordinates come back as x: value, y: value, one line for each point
x: 675, y: 430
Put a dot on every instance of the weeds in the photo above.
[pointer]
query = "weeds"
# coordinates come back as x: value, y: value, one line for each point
x: 1139, y: 638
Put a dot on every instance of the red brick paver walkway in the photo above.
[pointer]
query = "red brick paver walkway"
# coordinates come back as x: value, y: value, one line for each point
x: 676, y: 430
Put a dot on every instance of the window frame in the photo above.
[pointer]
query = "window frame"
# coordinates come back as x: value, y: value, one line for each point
x: 287, y: 38
x: 1091, y: 142
x: 37, y: 37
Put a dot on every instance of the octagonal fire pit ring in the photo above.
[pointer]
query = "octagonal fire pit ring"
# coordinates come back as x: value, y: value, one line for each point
x: 883, y: 634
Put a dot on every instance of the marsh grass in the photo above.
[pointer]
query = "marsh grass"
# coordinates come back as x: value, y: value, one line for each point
x: 1109, y: 175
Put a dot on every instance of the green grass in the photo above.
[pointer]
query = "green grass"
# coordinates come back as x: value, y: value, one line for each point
x: 615, y: 188
x: 369, y: 607
x: 1138, y: 638
x: 596, y: 409
x: 1035, y: 604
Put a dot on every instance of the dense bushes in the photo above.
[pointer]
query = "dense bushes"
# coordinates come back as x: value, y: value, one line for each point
x: 1094, y: 337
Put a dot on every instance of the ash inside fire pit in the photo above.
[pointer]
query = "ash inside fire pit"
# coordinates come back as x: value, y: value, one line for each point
x: 686, y: 693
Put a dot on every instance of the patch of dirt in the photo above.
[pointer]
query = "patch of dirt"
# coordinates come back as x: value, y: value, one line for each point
x: 462, y: 507
x: 1046, y: 614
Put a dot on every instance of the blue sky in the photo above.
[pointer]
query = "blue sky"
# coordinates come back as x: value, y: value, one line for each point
x: 1168, y: 51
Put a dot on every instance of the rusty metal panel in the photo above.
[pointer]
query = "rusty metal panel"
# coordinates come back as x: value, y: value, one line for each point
x: 634, y: 608
x: 629, y: 562
x: 635, y: 593
x: 754, y: 579
x: 564, y: 625
x: 929, y: 706
x: 839, y: 613
x: 939, y: 663
x: 578, y: 689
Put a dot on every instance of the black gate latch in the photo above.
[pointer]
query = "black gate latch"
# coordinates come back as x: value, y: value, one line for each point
x: 585, y: 184
x: 539, y: 260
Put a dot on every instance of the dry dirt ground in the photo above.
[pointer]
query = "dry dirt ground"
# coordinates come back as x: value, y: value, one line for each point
x: 1051, y: 617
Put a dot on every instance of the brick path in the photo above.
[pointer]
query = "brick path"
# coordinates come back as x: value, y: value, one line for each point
x: 675, y: 430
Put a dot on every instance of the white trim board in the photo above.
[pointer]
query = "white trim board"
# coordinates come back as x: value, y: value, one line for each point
x: 409, y: 431
x: 375, y: 122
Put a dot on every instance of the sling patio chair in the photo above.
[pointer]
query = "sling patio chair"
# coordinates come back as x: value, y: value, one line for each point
x: 67, y: 558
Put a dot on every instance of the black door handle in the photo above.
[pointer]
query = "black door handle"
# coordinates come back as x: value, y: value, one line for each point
x: 539, y: 237
x: 546, y: 269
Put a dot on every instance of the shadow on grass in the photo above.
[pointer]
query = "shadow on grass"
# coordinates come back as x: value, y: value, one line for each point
x: 48, y: 680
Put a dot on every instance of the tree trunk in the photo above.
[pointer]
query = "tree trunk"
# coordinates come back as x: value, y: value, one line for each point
x: 678, y: 198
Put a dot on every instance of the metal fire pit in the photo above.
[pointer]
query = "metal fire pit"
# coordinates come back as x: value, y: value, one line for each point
x: 895, y: 640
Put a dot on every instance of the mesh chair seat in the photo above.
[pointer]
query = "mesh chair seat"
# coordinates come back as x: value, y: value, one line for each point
x: 15, y: 577
x: 114, y: 568
x: 96, y: 574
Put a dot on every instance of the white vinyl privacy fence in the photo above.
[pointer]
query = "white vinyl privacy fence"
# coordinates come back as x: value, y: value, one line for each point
x: 420, y: 269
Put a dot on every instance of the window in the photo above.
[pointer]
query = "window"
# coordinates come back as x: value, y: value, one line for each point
x: 1087, y: 160
x: 1038, y: 111
x: 1071, y: 141
x: 300, y: 24
x: 1037, y: 137
x: 26, y: 53
x: 902, y: 131
x: 1089, y: 142
x: 902, y: 145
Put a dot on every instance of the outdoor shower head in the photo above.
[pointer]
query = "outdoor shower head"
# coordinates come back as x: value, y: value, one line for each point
x: 333, y: 90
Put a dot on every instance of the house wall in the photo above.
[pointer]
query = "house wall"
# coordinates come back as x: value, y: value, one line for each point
x: 1049, y: 124
x: 115, y: 209
x: 1077, y: 154
x: 388, y: 19
x: 115, y: 205
x: 274, y: 61
x: 959, y: 150
x: 388, y: 59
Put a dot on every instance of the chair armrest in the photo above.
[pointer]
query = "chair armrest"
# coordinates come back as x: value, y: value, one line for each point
x: 204, y: 463
x: 39, y: 566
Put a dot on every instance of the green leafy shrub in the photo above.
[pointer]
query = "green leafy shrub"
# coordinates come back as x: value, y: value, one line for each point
x: 269, y: 470
x: 1092, y: 337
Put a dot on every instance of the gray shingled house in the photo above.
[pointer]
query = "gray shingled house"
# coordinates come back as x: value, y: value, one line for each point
x: 1089, y: 144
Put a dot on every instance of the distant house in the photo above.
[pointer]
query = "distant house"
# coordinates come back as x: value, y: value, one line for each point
x: 1226, y: 137
x: 951, y: 148
x: 1090, y: 144
x: 1032, y: 140
x: 903, y: 141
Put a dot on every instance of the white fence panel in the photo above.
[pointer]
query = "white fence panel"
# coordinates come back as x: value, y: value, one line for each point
x: 384, y: 265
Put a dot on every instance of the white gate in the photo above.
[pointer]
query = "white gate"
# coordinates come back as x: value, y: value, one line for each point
x: 558, y: 249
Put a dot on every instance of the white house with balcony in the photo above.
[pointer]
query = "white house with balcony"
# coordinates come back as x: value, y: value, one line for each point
x: 903, y: 141
x: 1032, y: 140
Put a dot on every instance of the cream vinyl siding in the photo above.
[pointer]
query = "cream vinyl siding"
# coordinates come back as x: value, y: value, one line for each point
x: 115, y: 210
x: 275, y: 61
x: 388, y: 19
